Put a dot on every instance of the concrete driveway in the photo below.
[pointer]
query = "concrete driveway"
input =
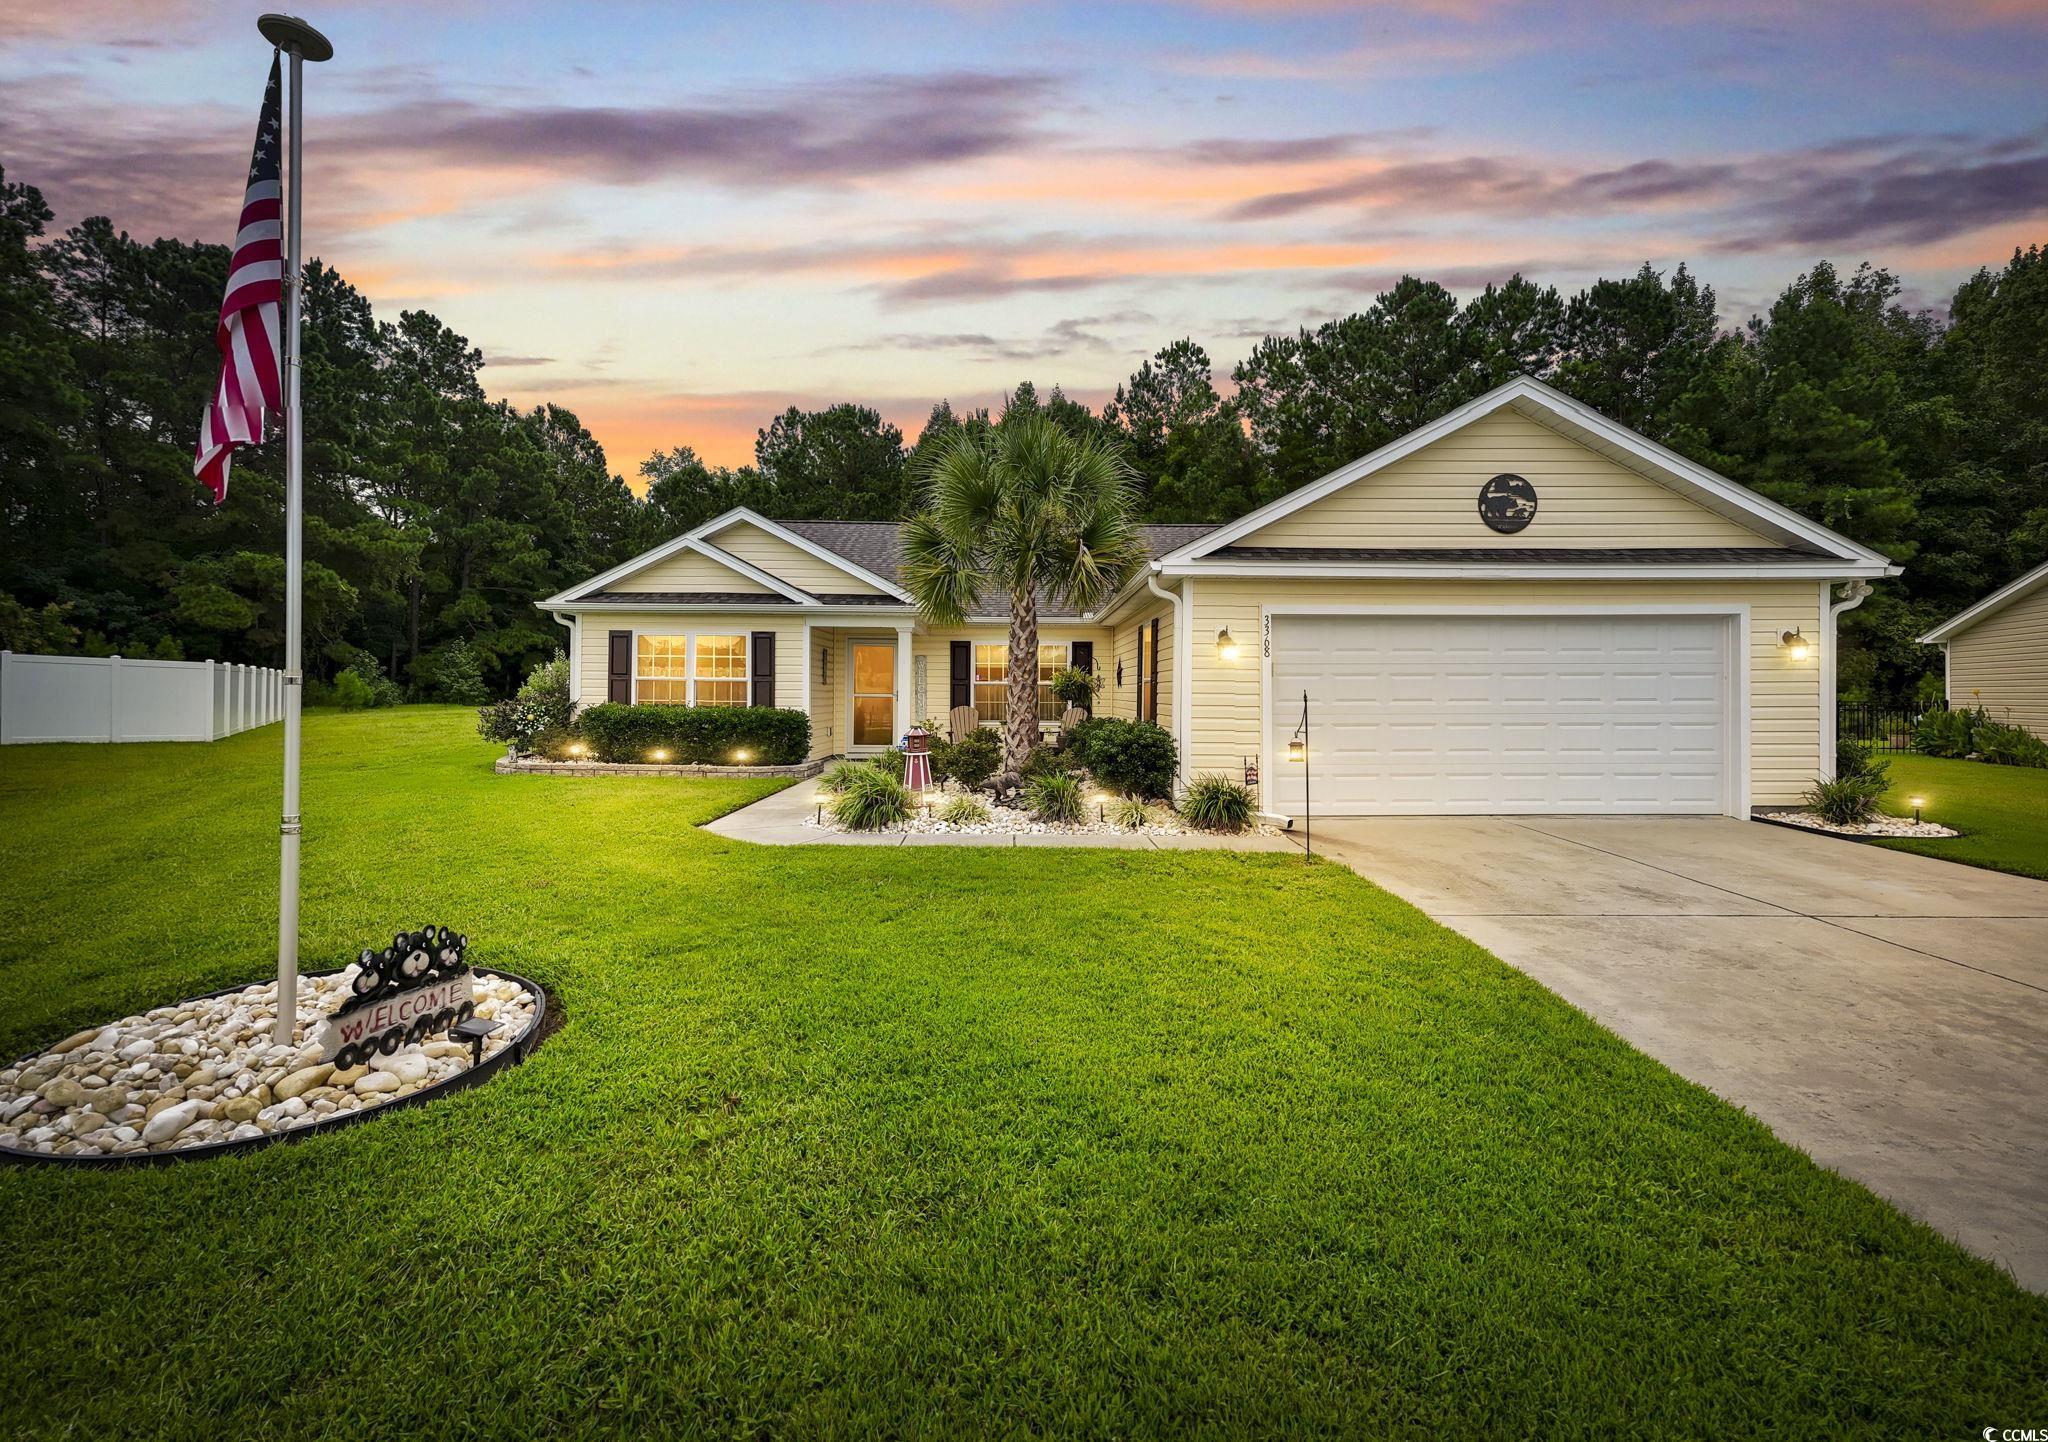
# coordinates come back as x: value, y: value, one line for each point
x: 1886, y: 1013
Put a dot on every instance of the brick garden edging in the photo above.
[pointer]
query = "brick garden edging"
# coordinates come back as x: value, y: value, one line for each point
x: 534, y: 766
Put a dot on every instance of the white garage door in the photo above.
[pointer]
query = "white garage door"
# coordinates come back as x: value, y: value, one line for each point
x: 1480, y: 715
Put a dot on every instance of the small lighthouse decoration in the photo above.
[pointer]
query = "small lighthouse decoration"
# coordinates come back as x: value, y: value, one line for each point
x: 917, y: 759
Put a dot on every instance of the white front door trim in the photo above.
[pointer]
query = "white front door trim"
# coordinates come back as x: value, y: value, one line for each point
x: 870, y: 638
x: 1735, y: 660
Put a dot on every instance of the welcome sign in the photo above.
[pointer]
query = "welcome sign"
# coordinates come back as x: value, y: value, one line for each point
x: 417, y: 986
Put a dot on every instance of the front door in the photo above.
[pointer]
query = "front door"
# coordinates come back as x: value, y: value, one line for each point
x: 874, y: 693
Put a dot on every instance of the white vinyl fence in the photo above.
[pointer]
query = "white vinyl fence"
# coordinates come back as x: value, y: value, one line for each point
x: 111, y: 698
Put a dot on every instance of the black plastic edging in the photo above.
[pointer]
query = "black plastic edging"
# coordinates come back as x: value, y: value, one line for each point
x: 513, y: 1053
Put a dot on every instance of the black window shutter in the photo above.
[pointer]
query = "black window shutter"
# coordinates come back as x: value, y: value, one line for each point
x: 1083, y: 659
x: 1152, y: 701
x: 763, y: 647
x: 619, y: 674
x: 963, y: 673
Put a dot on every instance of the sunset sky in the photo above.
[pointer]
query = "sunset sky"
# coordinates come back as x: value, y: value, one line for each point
x: 677, y: 219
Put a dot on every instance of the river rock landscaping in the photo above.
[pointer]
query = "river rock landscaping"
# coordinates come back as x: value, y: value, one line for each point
x: 205, y: 1071
x: 1015, y: 821
x: 1876, y: 826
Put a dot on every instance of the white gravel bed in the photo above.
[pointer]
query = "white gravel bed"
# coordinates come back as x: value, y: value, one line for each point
x: 1014, y: 821
x: 1881, y: 826
x: 206, y: 1071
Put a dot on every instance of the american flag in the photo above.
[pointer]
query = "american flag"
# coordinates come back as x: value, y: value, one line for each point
x: 247, y: 334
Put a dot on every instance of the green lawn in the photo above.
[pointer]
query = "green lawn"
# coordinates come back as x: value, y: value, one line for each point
x: 924, y: 1142
x: 2002, y: 811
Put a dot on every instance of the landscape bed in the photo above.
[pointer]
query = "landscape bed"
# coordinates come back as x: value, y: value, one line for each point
x: 450, y: 1074
x: 954, y: 1142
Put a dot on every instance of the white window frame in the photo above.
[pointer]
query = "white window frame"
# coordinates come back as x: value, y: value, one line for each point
x: 689, y: 640
x: 1045, y: 701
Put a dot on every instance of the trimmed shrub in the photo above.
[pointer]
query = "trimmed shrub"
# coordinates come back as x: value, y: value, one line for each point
x: 1847, y: 800
x: 1217, y: 803
x: 872, y: 800
x: 1047, y: 761
x: 970, y: 761
x: 964, y: 811
x: 1133, y: 758
x: 1074, y: 740
x: 698, y: 735
x: 1056, y: 799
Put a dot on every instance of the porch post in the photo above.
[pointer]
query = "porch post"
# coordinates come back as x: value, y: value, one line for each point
x: 904, y: 720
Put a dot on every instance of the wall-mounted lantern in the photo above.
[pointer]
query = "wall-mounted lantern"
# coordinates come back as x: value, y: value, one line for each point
x: 1795, y: 645
x: 1226, y: 647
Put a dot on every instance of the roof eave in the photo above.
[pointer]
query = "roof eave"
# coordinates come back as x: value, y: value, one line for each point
x: 1526, y: 570
x: 1991, y: 605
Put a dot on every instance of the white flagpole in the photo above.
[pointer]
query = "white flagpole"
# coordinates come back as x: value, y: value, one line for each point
x: 301, y: 42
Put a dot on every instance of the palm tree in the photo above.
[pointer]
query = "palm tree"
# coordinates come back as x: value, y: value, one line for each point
x: 1030, y: 512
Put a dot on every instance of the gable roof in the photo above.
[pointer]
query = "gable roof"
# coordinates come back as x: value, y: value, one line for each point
x: 1997, y: 601
x: 1587, y: 426
x: 877, y: 546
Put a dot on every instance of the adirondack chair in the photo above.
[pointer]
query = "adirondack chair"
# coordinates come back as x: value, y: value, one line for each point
x: 961, y: 720
x: 1070, y: 718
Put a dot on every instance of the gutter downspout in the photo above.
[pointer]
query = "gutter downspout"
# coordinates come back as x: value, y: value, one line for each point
x: 575, y: 660
x: 1180, y: 678
x: 1854, y: 594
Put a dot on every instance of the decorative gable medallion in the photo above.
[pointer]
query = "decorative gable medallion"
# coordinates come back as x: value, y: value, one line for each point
x: 1507, y: 504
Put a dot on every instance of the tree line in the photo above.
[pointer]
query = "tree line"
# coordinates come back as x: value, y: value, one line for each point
x: 435, y: 516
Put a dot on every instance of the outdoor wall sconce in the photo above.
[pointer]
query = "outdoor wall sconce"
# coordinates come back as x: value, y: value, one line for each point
x: 1795, y: 646
x: 1226, y: 647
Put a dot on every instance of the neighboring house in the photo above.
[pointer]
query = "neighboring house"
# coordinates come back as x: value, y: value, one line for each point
x: 1522, y: 607
x: 1995, y: 654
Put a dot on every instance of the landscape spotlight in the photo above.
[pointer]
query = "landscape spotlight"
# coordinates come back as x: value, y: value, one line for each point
x: 657, y: 755
x: 1916, y: 802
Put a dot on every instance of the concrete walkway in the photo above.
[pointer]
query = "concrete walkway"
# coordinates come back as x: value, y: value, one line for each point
x: 778, y: 820
x: 1884, y: 1012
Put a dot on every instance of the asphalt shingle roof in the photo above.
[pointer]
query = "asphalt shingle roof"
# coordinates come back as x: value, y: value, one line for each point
x: 877, y: 547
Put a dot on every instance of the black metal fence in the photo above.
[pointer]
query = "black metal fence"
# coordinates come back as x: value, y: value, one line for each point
x: 1880, y: 726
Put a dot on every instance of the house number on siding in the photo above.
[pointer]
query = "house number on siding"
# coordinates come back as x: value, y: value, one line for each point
x: 1266, y: 636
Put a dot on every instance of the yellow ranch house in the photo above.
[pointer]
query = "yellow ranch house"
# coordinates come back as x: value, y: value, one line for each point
x: 1520, y: 608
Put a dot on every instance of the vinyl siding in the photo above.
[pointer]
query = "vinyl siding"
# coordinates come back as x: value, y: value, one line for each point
x: 934, y: 648
x: 594, y: 644
x: 827, y: 661
x: 1784, y: 700
x: 789, y: 563
x: 1431, y: 498
x: 1122, y: 701
x: 688, y: 571
x: 2001, y: 664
